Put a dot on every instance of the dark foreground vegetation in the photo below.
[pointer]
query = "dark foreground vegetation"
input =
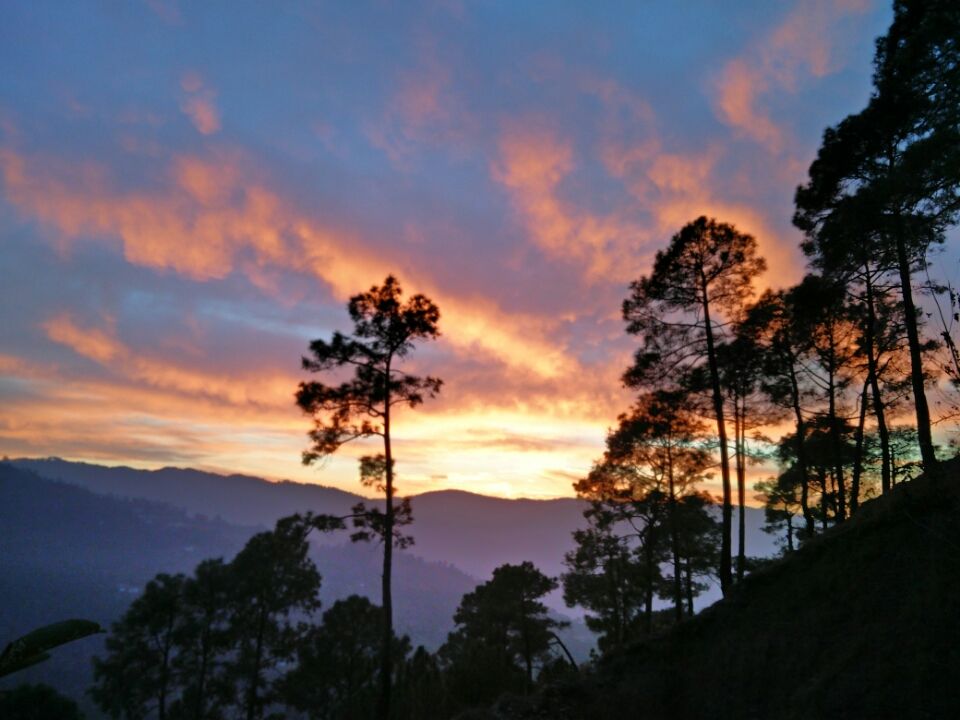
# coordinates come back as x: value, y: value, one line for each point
x: 859, y: 623
x: 246, y: 639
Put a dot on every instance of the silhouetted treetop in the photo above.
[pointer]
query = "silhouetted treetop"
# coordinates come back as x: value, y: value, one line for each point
x: 708, y: 261
x: 699, y: 284
x: 385, y: 329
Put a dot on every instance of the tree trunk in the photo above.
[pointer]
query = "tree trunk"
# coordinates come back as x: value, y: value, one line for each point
x: 841, y: 511
x: 823, y: 499
x: 612, y: 572
x: 525, y: 638
x: 253, y: 695
x: 674, y: 539
x: 740, y: 419
x: 726, y: 577
x: 527, y: 654
x: 924, y: 435
x: 648, y: 589
x: 200, y: 705
x: 164, y: 675
x: 386, y: 657
x: 801, y: 451
x: 858, y: 452
x: 878, y: 409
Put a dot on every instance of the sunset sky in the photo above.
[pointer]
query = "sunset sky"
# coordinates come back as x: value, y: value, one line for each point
x: 189, y: 193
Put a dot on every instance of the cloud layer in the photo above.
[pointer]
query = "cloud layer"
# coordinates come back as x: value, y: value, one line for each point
x: 171, y: 239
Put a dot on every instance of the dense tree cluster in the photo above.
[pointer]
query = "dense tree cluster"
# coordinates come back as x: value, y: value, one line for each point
x: 881, y: 195
x: 649, y: 531
x: 840, y: 359
x: 503, y: 633
x: 213, y: 642
x: 241, y: 640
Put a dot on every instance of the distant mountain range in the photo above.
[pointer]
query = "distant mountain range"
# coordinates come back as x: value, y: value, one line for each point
x: 475, y: 533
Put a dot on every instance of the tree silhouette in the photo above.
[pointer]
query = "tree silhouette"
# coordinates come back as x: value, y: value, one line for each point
x: 137, y: 678
x: 777, y: 319
x: 385, y: 330
x: 893, y: 170
x: 34, y: 647
x: 699, y: 539
x: 659, y: 441
x: 823, y: 317
x: 780, y: 497
x: 631, y: 503
x: 336, y: 673
x: 502, y: 632
x: 37, y: 702
x: 274, y: 584
x: 604, y: 578
x: 644, y: 515
x: 741, y: 369
x: 697, y: 285
x: 854, y: 255
x: 202, y: 635
x: 192, y: 647
x: 422, y: 693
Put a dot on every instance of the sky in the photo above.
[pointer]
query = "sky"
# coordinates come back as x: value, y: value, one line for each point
x: 190, y: 193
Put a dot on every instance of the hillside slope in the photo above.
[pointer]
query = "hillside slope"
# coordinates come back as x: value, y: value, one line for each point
x: 861, y: 623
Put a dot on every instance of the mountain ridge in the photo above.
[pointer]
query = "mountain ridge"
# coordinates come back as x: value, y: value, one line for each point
x: 473, y: 532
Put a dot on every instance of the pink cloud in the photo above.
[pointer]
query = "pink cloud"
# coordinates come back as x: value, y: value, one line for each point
x: 198, y: 104
x: 166, y: 10
x: 532, y: 165
x: 803, y: 44
x: 424, y: 110
x: 214, y: 216
x: 102, y: 346
x: 738, y: 103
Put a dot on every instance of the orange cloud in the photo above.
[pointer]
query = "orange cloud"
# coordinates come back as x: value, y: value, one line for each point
x: 198, y: 104
x: 740, y: 87
x: 802, y: 43
x: 159, y: 412
x: 671, y: 188
x: 533, y: 164
x: 676, y: 187
x: 680, y: 174
x: 784, y: 263
x: 503, y: 452
x: 104, y: 348
x: 89, y: 342
x: 423, y: 110
x: 213, y: 217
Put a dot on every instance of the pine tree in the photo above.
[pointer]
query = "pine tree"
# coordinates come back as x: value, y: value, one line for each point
x: 384, y: 333
x: 700, y: 283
